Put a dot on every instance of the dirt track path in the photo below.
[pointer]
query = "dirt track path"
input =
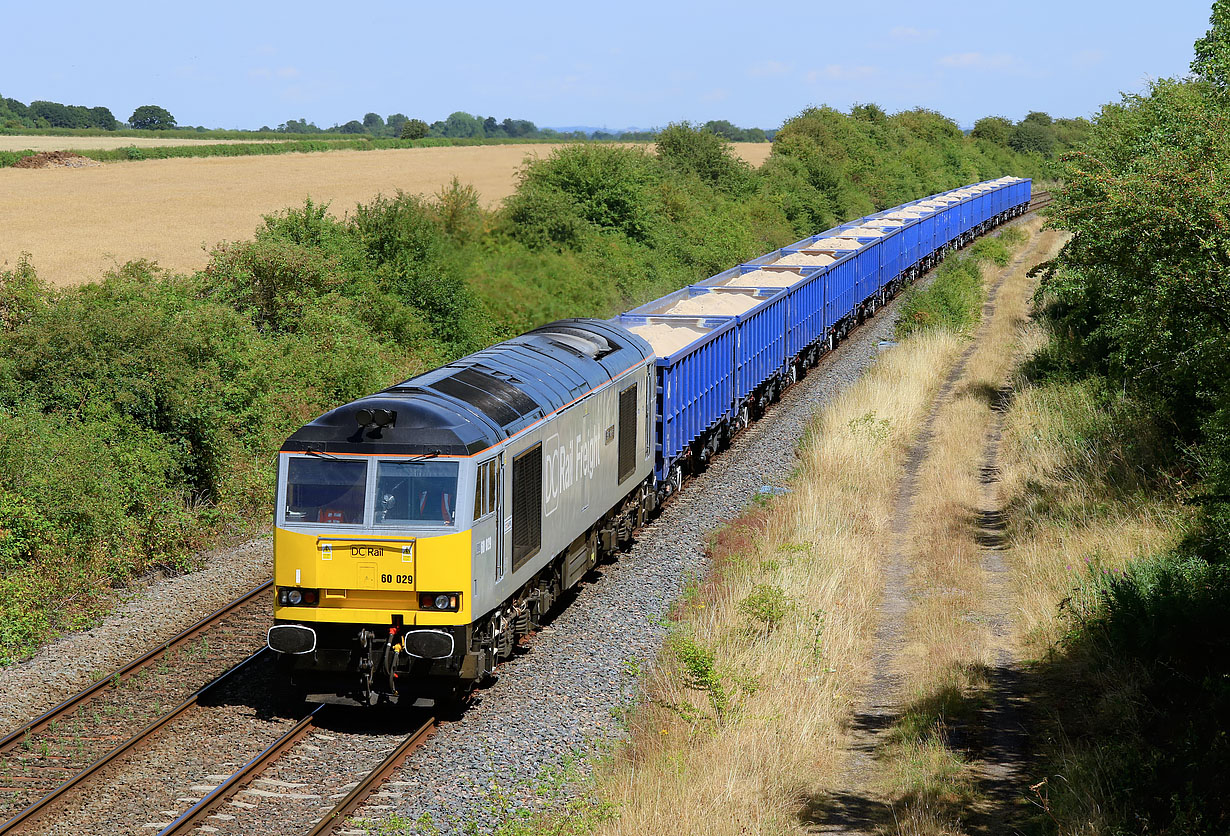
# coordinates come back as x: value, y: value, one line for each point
x: 858, y: 806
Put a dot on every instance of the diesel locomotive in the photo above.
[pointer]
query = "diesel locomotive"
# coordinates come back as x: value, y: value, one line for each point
x: 422, y: 530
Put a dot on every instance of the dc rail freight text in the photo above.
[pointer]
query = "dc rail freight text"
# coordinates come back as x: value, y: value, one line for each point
x: 421, y: 531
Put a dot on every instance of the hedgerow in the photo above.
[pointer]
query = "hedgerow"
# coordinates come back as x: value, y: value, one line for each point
x: 139, y: 414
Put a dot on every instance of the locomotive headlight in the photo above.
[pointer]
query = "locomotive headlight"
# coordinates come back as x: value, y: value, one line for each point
x: 295, y: 597
x: 440, y: 601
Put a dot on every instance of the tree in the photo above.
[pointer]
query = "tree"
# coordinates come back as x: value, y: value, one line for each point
x: 354, y: 126
x: 392, y: 125
x: 1031, y: 137
x: 298, y: 126
x: 56, y: 115
x: 373, y: 123
x: 1212, y: 61
x: 102, y: 117
x: 490, y: 125
x: 723, y: 128
x: 414, y: 129
x: 1038, y: 117
x: 869, y: 112
x: 462, y: 124
x: 685, y: 147
x: 519, y: 127
x: 151, y: 118
x: 994, y: 129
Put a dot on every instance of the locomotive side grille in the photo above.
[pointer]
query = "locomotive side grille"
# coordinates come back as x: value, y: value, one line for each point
x: 527, y: 505
x: 627, y: 433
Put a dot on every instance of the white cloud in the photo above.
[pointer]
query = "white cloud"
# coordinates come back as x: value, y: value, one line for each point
x: 716, y: 95
x: 768, y: 69
x: 843, y: 72
x: 977, y: 61
x: 288, y: 72
x: 909, y: 33
x: 1088, y: 58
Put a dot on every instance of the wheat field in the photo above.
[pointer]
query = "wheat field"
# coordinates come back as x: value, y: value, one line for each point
x: 78, y: 222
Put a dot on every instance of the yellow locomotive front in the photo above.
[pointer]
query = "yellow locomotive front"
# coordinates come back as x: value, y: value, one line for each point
x: 373, y: 551
x: 363, y: 539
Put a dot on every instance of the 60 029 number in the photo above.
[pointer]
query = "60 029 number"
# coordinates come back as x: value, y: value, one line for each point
x: 397, y: 578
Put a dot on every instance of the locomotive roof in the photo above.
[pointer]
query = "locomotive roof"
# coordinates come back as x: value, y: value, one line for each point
x: 481, y: 399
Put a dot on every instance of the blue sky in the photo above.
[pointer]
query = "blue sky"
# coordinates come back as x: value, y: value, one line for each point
x: 630, y: 63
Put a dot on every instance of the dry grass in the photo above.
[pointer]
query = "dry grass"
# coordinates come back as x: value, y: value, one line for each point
x: 743, y: 728
x: 1069, y: 519
x: 947, y: 578
x: 78, y: 222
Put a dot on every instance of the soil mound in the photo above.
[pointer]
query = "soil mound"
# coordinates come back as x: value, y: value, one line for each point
x: 55, y: 159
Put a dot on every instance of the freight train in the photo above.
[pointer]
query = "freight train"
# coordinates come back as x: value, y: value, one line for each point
x: 423, y: 530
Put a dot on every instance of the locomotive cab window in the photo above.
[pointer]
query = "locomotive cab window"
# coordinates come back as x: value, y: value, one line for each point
x: 416, y: 493
x: 484, y: 488
x: 325, y: 491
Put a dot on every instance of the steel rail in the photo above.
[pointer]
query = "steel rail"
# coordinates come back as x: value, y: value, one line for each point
x: 196, y: 814
x: 337, y: 816
x: 132, y: 743
x: 13, y: 738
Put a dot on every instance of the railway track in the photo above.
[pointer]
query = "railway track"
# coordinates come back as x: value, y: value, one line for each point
x: 47, y: 758
x: 206, y: 811
x: 1039, y: 200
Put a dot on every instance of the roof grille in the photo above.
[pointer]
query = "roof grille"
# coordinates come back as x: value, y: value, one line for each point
x: 498, y: 399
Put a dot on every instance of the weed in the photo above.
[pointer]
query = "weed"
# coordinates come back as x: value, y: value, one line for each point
x: 867, y: 426
x: 767, y: 605
x: 700, y: 673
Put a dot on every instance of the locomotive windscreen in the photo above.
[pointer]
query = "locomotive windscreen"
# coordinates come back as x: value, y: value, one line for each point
x: 325, y: 491
x: 409, y: 493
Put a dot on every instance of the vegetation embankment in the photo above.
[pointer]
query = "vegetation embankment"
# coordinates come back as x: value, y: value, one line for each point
x: 141, y: 412
x: 742, y: 726
x: 1119, y: 468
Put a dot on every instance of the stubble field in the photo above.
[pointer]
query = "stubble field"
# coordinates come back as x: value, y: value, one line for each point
x: 78, y: 222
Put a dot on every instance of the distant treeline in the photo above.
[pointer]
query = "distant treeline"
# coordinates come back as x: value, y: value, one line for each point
x: 15, y: 115
x: 462, y: 125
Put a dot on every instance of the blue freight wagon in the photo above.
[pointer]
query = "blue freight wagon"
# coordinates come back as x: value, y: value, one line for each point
x: 695, y: 382
x: 806, y: 320
x: 752, y: 358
